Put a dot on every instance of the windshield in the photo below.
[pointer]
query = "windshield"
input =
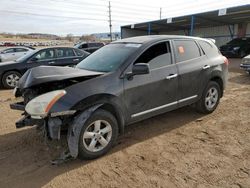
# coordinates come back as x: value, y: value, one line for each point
x: 237, y: 41
x: 28, y: 55
x: 108, y: 58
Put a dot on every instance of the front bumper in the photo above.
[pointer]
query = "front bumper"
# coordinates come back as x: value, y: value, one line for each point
x: 51, y: 123
x: 245, y: 66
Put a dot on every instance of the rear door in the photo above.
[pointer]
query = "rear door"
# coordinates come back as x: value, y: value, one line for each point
x: 66, y: 57
x: 191, y: 64
x: 153, y: 93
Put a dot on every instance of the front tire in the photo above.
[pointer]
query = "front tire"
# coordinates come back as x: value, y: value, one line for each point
x: 209, y: 99
x: 10, y: 79
x: 98, y: 135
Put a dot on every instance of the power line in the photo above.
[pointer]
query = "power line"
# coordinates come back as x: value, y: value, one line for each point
x: 52, y: 16
x: 118, y: 10
x: 66, y: 17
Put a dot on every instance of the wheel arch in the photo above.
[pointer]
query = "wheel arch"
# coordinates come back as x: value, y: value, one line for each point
x: 12, y: 70
x: 109, y: 103
x: 219, y: 81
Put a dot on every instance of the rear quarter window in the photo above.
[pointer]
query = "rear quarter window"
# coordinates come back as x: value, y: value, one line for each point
x: 186, y: 50
x: 208, y: 48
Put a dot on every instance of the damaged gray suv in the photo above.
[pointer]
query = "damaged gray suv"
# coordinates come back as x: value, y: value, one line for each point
x: 122, y: 83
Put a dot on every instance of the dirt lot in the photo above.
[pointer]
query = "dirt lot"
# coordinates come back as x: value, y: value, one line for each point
x: 178, y: 149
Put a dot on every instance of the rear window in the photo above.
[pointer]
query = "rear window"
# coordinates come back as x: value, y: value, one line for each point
x: 186, y: 50
x: 79, y: 52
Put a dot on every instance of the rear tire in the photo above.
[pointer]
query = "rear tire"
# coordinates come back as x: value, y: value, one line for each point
x: 242, y: 53
x: 98, y: 135
x: 210, y: 98
x: 10, y: 79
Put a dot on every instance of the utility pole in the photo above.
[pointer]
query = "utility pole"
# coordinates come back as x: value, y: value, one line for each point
x: 160, y: 13
x: 110, y: 22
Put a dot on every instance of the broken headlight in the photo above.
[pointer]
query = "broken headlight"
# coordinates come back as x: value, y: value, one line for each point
x: 40, y: 106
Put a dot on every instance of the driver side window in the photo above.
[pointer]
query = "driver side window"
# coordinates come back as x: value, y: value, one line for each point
x: 156, y: 56
x: 45, y: 55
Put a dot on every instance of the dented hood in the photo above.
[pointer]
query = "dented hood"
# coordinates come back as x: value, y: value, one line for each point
x: 45, y: 74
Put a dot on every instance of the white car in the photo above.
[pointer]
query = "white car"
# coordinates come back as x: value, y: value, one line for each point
x: 13, y: 53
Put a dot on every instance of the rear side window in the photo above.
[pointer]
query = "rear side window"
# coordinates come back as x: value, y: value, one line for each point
x: 156, y: 56
x: 99, y: 45
x: 208, y: 48
x: 21, y: 50
x: 205, y: 46
x: 64, y: 52
x: 186, y: 50
x: 92, y: 45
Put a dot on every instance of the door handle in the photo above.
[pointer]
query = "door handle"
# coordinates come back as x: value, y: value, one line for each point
x: 51, y: 62
x: 171, y: 76
x: 75, y: 59
x: 206, y: 67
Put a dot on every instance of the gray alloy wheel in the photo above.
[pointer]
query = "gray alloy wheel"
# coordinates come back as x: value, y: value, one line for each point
x: 10, y: 79
x: 211, y: 98
x: 97, y: 135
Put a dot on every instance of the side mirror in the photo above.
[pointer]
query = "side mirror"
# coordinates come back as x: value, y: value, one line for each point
x: 33, y: 59
x: 138, y: 69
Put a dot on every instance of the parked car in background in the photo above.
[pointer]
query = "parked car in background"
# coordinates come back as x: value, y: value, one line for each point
x: 11, y: 72
x: 246, y: 63
x: 10, y: 54
x: 89, y: 46
x: 238, y: 47
x: 122, y: 83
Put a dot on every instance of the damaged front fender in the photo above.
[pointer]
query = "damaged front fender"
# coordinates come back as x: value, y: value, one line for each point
x: 76, y: 127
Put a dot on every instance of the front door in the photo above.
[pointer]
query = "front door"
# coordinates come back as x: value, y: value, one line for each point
x: 43, y: 57
x: 153, y: 93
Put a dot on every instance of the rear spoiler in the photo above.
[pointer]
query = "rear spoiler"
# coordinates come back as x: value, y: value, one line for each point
x: 213, y: 40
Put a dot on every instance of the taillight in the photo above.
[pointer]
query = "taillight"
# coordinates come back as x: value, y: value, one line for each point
x: 226, y: 61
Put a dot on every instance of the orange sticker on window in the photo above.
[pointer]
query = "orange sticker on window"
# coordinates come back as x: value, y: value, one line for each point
x: 181, y: 50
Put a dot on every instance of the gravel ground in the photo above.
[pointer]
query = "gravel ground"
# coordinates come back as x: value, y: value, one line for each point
x: 178, y: 149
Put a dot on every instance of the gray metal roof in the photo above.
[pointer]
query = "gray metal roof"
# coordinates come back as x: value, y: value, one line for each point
x: 234, y: 15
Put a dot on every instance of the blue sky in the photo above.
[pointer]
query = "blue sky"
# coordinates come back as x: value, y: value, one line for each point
x: 83, y: 16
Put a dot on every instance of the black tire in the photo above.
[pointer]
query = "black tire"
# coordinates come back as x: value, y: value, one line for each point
x: 242, y: 53
x: 5, y: 81
x: 202, y: 104
x: 103, y: 115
